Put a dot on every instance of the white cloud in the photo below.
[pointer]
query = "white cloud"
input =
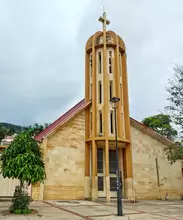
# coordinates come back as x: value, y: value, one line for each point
x: 42, y: 53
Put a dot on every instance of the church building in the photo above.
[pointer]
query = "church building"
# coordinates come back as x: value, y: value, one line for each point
x: 79, y: 148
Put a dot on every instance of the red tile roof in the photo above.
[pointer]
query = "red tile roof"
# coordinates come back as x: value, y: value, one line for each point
x: 63, y: 119
x: 3, y: 146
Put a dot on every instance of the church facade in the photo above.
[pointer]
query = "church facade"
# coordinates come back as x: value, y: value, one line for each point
x: 80, y: 147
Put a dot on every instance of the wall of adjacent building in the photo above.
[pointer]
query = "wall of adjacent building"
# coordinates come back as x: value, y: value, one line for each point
x: 145, y: 151
x: 65, y: 163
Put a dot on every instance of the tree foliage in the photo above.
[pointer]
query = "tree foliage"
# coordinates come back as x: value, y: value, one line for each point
x: 175, y: 109
x: 10, y: 129
x: 2, y: 132
x: 174, y: 152
x: 175, y: 97
x: 161, y: 123
x: 37, y: 128
x: 23, y: 160
x: 17, y: 129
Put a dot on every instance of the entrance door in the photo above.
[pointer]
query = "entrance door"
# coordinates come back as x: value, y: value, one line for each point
x: 112, y: 173
x: 100, y: 172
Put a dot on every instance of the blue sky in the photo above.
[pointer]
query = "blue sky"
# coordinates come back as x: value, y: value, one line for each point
x: 42, y: 53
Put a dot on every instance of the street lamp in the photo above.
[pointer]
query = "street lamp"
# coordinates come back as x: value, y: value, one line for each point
x: 114, y: 101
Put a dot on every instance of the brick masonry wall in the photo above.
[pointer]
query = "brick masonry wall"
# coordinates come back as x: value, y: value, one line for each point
x: 145, y: 150
x: 65, y: 162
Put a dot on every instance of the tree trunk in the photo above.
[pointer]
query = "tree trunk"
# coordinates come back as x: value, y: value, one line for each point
x: 21, y: 186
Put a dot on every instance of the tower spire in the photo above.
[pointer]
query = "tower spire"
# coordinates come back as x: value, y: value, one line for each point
x: 105, y: 78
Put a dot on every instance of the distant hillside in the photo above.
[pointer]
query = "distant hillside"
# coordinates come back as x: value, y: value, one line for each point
x: 16, y: 128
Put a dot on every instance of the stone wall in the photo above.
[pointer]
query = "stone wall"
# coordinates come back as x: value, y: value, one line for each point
x: 65, y: 162
x: 145, y: 151
x: 36, y: 191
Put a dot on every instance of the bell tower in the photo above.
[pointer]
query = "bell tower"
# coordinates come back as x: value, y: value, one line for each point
x: 106, y: 77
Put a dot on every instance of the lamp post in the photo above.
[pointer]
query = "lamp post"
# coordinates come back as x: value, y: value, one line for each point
x: 114, y: 101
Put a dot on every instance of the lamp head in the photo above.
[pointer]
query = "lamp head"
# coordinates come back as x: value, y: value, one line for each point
x: 113, y: 101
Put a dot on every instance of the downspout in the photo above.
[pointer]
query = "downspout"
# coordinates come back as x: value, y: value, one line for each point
x: 158, y: 181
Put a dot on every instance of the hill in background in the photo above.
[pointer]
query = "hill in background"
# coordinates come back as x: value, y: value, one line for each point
x: 7, y: 129
x: 16, y: 128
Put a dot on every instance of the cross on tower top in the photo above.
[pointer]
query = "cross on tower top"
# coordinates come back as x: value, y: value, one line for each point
x: 104, y: 20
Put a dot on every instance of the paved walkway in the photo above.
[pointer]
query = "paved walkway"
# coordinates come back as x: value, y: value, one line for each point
x: 75, y: 210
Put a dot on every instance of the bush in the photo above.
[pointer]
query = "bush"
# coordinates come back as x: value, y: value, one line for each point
x: 20, y: 201
x: 28, y: 211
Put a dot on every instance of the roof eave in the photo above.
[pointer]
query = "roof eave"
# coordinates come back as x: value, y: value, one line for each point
x: 151, y: 132
x: 46, y: 133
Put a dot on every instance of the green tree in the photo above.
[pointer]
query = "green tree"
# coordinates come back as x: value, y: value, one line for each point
x: 174, y: 152
x: 23, y: 160
x: 175, y: 109
x: 161, y: 123
x: 2, y: 133
x: 11, y: 131
x: 37, y: 128
x: 175, y: 97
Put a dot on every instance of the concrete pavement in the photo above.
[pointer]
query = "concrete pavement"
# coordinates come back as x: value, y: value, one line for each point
x: 75, y: 210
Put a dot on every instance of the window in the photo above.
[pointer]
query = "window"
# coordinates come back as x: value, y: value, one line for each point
x: 99, y: 40
x: 90, y: 122
x: 111, y: 122
x: 112, y: 161
x: 120, y: 65
x: 100, y: 120
x: 99, y: 62
x: 90, y: 91
x: 110, y: 89
x: 109, y: 38
x: 91, y: 65
x: 100, y: 183
x: 100, y: 168
x: 110, y: 61
x: 113, y: 187
x: 100, y: 91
